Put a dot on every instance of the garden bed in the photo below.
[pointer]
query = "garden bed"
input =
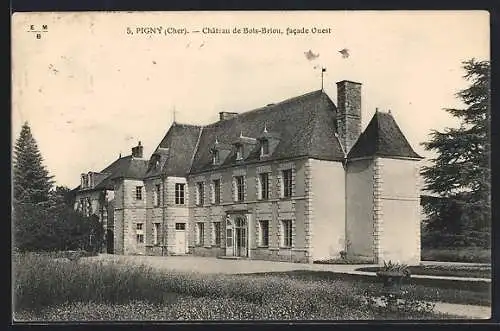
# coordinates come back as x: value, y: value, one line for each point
x: 443, y: 270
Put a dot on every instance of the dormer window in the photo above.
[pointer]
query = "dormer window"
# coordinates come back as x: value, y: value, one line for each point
x: 264, y: 147
x: 239, y: 152
x: 215, y: 157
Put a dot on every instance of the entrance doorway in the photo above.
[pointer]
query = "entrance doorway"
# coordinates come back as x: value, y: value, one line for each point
x: 109, y: 241
x: 237, y: 237
x: 240, y: 237
x: 180, y: 238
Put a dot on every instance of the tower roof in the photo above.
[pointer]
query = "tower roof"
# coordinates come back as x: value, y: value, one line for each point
x: 383, y: 137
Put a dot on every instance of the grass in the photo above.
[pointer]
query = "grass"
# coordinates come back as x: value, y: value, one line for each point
x: 466, y: 254
x: 48, y: 289
x: 473, y: 293
x: 473, y: 271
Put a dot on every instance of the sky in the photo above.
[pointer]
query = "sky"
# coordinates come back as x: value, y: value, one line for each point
x: 90, y: 91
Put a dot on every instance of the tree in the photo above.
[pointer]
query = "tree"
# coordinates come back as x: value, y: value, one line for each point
x: 44, y: 219
x: 32, y: 183
x: 460, y: 173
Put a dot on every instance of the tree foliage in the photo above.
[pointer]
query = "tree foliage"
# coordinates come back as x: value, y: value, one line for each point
x: 32, y: 183
x: 460, y: 173
x: 44, y: 218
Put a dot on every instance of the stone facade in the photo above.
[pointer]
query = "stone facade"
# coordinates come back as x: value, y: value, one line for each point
x: 299, y: 182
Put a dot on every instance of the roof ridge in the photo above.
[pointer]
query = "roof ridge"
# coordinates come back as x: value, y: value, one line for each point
x: 186, y: 124
x: 285, y: 101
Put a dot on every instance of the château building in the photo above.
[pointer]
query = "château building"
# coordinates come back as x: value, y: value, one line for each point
x: 292, y: 181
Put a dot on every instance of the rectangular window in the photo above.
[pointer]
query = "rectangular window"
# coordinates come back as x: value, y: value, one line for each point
x: 200, y: 234
x: 240, y: 188
x: 287, y: 183
x: 264, y: 147
x: 216, y: 184
x: 156, y: 233
x: 216, y: 234
x: 264, y: 186
x: 200, y: 190
x: 138, y: 192
x: 180, y: 226
x: 179, y: 194
x: 139, y: 233
x: 264, y: 233
x: 286, y: 233
x: 157, y: 195
x: 239, y: 152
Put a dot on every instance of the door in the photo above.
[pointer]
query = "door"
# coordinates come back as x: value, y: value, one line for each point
x: 240, y: 237
x: 241, y: 242
x: 180, y: 238
x: 229, y: 238
x: 109, y: 241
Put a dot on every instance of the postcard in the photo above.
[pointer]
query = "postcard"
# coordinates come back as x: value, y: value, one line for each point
x: 279, y: 165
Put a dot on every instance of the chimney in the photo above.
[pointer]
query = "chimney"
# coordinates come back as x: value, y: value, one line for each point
x: 137, y: 151
x: 348, y: 113
x: 224, y: 115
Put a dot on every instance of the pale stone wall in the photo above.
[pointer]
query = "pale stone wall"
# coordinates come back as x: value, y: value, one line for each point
x: 275, y: 209
x: 399, y: 227
x: 154, y: 214
x: 175, y: 213
x: 360, y: 208
x: 134, y: 212
x: 118, y: 218
x: 327, y: 190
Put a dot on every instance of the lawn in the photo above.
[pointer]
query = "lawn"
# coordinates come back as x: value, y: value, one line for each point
x: 473, y: 293
x: 49, y: 290
x: 473, y: 271
x: 460, y: 254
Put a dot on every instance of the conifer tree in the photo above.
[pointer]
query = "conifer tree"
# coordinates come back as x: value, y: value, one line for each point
x: 32, y: 183
x: 460, y: 173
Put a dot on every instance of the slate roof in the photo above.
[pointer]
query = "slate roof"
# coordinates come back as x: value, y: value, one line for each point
x: 127, y: 167
x: 175, y: 151
x: 382, y: 137
x: 305, y: 126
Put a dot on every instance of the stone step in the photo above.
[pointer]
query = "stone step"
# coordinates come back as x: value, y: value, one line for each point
x: 228, y: 257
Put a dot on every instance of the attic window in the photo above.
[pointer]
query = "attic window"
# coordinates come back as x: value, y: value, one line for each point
x: 264, y: 147
x: 239, y: 152
x: 157, y: 164
x: 215, y: 157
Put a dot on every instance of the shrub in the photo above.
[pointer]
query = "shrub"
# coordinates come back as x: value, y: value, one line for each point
x: 439, y: 239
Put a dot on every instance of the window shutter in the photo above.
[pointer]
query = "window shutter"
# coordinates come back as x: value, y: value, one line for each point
x: 244, y: 188
x: 279, y: 181
x: 234, y: 190
x: 212, y: 192
x: 259, y: 187
x: 197, y: 198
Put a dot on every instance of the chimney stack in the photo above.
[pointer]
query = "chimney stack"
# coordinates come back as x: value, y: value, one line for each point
x: 137, y: 151
x: 348, y: 113
x: 224, y: 115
